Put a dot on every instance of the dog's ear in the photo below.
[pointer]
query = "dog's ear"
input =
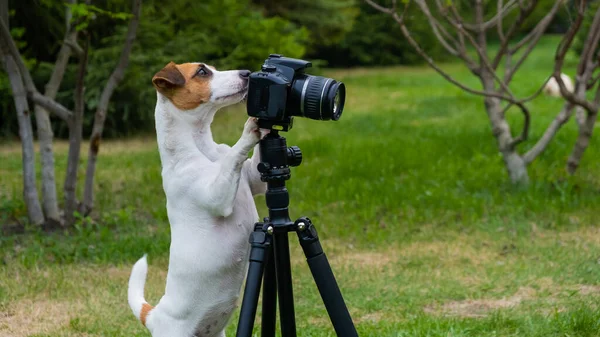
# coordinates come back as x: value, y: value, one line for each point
x: 168, y: 78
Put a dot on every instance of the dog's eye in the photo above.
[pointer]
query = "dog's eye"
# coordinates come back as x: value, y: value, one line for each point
x: 201, y: 71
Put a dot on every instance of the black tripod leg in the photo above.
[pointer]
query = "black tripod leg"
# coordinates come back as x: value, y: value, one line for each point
x: 269, y: 297
x: 325, y: 280
x: 283, y: 269
x: 260, y: 243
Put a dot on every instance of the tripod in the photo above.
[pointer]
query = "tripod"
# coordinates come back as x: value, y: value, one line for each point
x: 270, y: 256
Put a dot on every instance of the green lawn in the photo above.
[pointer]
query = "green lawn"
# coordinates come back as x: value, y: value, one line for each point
x: 410, y: 197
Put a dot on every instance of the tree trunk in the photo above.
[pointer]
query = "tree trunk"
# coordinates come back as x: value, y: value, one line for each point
x: 75, y: 136
x: 100, y: 117
x: 45, y: 136
x: 30, y: 193
x: 44, y: 129
x: 586, y: 128
x: 514, y: 163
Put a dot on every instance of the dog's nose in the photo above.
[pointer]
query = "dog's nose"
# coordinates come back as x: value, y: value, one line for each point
x: 244, y: 73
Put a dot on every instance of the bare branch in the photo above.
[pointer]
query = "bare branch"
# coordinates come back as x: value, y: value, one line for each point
x: 500, y: 20
x: 525, y: 132
x: 32, y: 92
x: 119, y: 71
x: 496, y: 20
x: 482, y: 54
x: 538, y: 30
x: 50, y: 105
x: 536, y: 34
x: 561, y: 51
x: 75, y: 137
x: 587, y: 63
x: 100, y: 117
x: 399, y: 19
x: 529, y: 98
x: 537, y: 92
x: 379, y: 7
x: 76, y: 48
x: 563, y: 116
x: 437, y: 28
x: 523, y: 15
x: 461, y: 46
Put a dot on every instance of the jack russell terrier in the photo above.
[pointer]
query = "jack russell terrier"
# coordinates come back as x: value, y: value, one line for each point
x: 209, y: 189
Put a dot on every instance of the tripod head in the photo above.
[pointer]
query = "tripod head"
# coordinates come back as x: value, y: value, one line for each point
x: 275, y: 161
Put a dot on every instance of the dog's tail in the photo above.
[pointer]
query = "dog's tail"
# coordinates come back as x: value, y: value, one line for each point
x: 135, y: 293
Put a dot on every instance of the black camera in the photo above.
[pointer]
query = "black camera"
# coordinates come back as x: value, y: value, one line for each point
x: 282, y: 90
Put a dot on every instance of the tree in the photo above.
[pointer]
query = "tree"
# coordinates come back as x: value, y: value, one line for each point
x: 24, y: 90
x: 42, y: 117
x: 456, y: 34
x: 30, y: 193
x: 589, y: 63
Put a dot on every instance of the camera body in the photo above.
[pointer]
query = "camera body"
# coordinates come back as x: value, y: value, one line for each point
x: 282, y: 90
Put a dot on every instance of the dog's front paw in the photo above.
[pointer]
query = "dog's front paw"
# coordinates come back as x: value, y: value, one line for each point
x: 264, y: 133
x: 251, y: 131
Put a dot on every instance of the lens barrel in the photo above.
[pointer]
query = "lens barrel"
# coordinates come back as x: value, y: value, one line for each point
x: 319, y: 98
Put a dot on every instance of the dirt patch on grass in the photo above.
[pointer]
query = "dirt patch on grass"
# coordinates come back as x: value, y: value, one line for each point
x: 366, y: 259
x: 480, y: 307
x: 581, y: 237
x: 450, y: 252
x: 545, y: 290
x: 447, y: 254
x: 373, y: 317
x: 586, y: 290
x: 26, y: 317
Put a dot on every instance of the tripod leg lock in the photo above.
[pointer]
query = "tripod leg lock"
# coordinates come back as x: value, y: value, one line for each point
x: 259, y: 241
x: 309, y: 239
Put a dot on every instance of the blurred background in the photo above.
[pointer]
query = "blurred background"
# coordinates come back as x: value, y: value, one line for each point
x: 427, y: 231
x: 228, y: 34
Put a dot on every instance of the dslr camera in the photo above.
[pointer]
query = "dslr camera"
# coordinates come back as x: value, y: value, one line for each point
x: 281, y: 90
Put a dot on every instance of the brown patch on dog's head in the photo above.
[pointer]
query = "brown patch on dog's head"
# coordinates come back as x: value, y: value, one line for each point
x: 185, y: 85
x: 144, y: 313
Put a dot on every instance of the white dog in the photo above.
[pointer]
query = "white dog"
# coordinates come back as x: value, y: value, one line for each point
x: 209, y: 189
x: 553, y: 89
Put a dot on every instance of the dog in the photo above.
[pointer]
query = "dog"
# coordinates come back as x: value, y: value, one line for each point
x: 553, y: 89
x: 209, y: 189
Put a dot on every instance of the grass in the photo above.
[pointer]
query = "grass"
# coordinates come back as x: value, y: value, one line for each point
x: 410, y: 197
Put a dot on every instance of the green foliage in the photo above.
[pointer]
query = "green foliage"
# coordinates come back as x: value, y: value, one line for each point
x: 230, y: 35
x: 375, y: 39
x: 83, y: 14
x: 327, y: 20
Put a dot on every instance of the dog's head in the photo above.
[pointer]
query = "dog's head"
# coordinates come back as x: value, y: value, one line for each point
x: 190, y: 86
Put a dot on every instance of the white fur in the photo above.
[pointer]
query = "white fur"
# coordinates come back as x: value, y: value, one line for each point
x: 553, y: 89
x: 209, y: 189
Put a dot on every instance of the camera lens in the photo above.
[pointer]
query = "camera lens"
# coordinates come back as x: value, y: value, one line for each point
x: 319, y: 98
